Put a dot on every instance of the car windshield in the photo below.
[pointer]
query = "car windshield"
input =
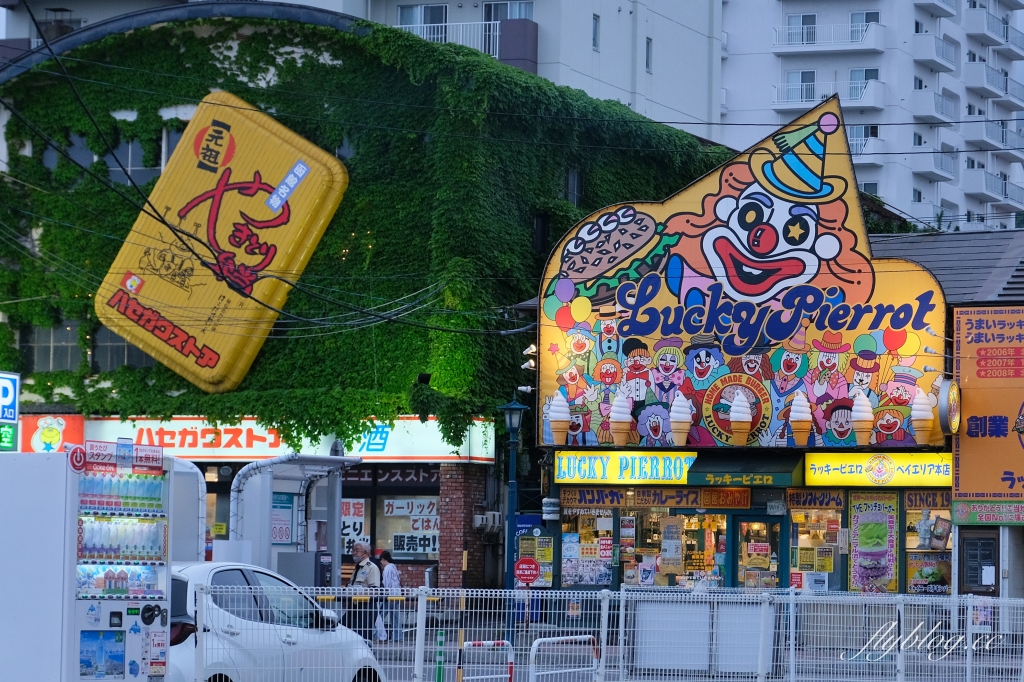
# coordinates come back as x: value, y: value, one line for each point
x: 287, y: 605
x: 179, y: 597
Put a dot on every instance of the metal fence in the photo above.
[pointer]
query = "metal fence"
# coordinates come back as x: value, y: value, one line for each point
x: 637, y: 634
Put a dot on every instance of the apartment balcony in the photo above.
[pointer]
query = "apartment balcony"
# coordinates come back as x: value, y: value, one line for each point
x: 1012, y: 199
x: 1013, y: 146
x: 1013, y: 98
x: 803, y: 96
x: 925, y: 212
x: 938, y: 8
x: 983, y: 26
x: 929, y: 106
x: 982, y: 133
x: 983, y: 80
x: 829, y: 38
x: 867, y: 151
x: 933, y: 165
x: 1013, y: 45
x: 933, y: 52
x: 481, y: 35
x: 979, y: 184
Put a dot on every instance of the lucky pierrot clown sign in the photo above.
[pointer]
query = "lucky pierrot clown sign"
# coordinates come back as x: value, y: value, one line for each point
x: 749, y: 290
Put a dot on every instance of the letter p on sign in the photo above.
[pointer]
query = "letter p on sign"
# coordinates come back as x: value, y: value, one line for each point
x: 10, y: 388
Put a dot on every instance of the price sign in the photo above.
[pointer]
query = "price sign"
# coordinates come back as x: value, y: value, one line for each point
x: 527, y: 571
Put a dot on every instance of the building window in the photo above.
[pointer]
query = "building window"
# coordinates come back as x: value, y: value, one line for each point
x: 417, y: 15
x: 171, y: 138
x: 595, y: 37
x: 858, y: 137
x: 574, y: 187
x: 649, y: 55
x: 918, y: 27
x: 799, y: 86
x: 918, y: 140
x: 862, y: 18
x: 56, y: 23
x: 110, y: 351
x: 868, y: 187
x: 972, y: 56
x: 801, y: 28
x: 498, y: 11
x: 917, y: 196
x: 52, y: 349
x: 130, y: 155
x: 918, y: 83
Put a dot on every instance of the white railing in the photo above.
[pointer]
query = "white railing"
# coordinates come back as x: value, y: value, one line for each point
x: 944, y: 106
x: 994, y: 131
x: 1014, y: 193
x: 825, y: 34
x: 857, y: 145
x: 813, y: 92
x: 481, y: 35
x: 1014, y: 36
x: 994, y: 25
x: 1015, y: 89
x: 994, y: 184
x: 945, y: 51
x: 1013, y: 140
x: 946, y: 162
x: 995, y: 78
x: 634, y: 635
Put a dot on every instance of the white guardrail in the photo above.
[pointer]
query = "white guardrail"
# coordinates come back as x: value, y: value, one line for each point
x: 637, y: 634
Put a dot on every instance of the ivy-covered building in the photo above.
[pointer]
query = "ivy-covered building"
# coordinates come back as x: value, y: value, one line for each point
x: 463, y: 172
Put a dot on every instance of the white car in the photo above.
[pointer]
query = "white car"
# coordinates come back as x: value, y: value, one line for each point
x: 275, y: 634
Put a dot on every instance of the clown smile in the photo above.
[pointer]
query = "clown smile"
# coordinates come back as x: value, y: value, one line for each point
x: 667, y: 368
x: 789, y: 366
x: 841, y: 432
x: 888, y: 425
x: 654, y: 428
x: 579, y: 346
x: 754, y: 278
x: 701, y: 372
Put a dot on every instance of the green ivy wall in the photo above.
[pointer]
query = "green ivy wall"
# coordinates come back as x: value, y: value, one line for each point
x: 454, y: 154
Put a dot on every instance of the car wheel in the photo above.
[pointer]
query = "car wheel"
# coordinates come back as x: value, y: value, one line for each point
x: 366, y: 675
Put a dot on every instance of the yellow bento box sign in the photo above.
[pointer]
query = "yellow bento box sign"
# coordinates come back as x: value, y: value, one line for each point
x: 243, y: 200
x: 891, y: 469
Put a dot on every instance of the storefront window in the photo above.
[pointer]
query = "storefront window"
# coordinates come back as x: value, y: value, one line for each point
x: 928, y: 527
x: 684, y: 550
x: 408, y: 525
x: 587, y: 536
x: 814, y: 539
x: 758, y: 554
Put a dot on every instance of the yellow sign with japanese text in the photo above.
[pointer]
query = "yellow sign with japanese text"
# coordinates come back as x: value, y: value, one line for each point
x: 612, y: 467
x: 235, y: 216
x: 892, y: 469
x: 712, y: 310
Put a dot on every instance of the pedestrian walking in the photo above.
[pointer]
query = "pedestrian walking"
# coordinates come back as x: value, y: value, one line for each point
x: 365, y: 575
x: 392, y: 580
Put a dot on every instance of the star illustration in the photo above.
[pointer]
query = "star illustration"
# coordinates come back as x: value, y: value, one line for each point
x: 795, y: 230
x: 553, y: 349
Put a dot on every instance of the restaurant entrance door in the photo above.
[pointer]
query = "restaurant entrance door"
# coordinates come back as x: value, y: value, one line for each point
x: 759, y: 543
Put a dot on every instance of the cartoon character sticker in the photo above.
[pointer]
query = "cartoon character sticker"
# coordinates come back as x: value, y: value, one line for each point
x: 758, y: 279
x: 49, y: 435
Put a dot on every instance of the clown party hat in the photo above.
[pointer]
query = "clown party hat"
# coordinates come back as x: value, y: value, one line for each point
x: 797, y: 172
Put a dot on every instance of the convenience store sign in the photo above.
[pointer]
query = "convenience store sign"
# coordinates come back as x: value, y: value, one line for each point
x: 628, y: 467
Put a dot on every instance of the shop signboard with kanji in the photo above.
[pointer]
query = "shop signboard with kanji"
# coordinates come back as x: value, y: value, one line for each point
x: 355, y: 526
x: 988, y: 453
x: 726, y: 301
x: 197, y: 282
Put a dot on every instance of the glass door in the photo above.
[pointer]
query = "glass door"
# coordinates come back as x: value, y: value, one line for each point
x: 758, y: 544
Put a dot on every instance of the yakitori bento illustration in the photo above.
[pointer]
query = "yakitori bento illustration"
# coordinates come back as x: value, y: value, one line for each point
x: 745, y: 310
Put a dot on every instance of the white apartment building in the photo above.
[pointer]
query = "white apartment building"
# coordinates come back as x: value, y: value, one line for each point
x: 929, y: 88
x: 660, y: 57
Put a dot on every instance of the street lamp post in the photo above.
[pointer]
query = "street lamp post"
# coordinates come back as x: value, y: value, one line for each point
x: 513, y: 420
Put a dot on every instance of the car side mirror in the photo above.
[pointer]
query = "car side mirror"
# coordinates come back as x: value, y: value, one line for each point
x: 325, y: 619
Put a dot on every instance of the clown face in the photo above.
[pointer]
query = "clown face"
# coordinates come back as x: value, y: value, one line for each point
x: 841, y: 423
x: 899, y: 394
x: 668, y: 363
x: 655, y: 426
x: 572, y: 375
x: 638, y: 363
x: 580, y: 344
x: 609, y: 373
x: 888, y: 423
x: 752, y: 363
x: 576, y: 424
x: 828, y: 362
x: 861, y: 380
x: 608, y: 327
x: 766, y: 245
x: 704, y: 362
x: 790, y: 362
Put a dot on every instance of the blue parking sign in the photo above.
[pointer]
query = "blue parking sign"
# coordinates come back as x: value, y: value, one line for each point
x: 10, y: 389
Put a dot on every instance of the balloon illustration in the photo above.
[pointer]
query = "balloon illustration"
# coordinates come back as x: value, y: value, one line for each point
x: 865, y: 342
x: 911, y: 347
x: 580, y: 309
x: 563, y: 318
x: 551, y: 306
x: 565, y: 290
x: 894, y: 339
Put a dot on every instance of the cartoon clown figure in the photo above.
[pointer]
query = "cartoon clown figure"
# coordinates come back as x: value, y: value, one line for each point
x: 575, y: 385
x: 754, y: 363
x: 789, y: 367
x: 901, y: 389
x: 825, y: 381
x: 667, y: 373
x: 579, y: 427
x: 608, y: 339
x: 776, y: 221
x: 581, y: 347
x: 637, y: 381
x: 704, y: 364
x: 864, y: 372
x: 609, y: 372
x: 652, y: 425
x: 890, y: 430
x: 839, y: 424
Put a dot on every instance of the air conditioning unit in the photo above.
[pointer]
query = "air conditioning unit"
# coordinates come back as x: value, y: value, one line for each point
x: 480, y: 521
x: 493, y: 521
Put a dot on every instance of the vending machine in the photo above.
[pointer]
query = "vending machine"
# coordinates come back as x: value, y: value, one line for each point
x: 93, y: 549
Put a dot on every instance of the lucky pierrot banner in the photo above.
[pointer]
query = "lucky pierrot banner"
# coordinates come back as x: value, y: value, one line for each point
x: 758, y: 278
x: 243, y: 200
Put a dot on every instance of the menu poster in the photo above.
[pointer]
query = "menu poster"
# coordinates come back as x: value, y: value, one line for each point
x: 646, y: 571
x: 929, y: 572
x: 807, y: 556
x: 627, y: 549
x: 824, y: 559
x: 752, y: 579
x: 873, y: 557
x: 627, y: 527
x: 940, y: 533
x: 671, y: 545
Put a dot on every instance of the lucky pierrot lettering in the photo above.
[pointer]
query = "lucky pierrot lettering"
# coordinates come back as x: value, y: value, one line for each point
x: 741, y: 324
